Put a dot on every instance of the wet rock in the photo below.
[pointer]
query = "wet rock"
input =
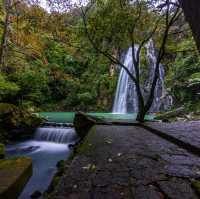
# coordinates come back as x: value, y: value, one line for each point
x: 23, y: 149
x: 2, y: 151
x: 36, y: 194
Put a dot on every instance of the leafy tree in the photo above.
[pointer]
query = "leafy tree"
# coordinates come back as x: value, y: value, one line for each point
x: 108, y: 25
x: 7, y: 89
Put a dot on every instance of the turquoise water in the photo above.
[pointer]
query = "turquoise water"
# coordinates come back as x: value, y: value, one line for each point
x: 68, y: 117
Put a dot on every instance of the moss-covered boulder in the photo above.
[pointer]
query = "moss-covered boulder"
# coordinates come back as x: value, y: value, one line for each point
x: 196, y: 186
x: 17, y: 116
x: 2, y: 151
x: 17, y: 122
x: 14, y: 175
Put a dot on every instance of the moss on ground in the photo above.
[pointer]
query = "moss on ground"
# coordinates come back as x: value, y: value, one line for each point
x: 14, y: 174
x: 2, y: 151
x: 86, y: 146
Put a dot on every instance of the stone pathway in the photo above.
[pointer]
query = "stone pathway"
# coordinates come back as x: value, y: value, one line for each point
x: 127, y: 162
x: 188, y: 132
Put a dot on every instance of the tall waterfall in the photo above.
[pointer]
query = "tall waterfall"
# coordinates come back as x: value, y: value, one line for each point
x: 126, y: 97
x: 162, y: 101
x: 55, y: 134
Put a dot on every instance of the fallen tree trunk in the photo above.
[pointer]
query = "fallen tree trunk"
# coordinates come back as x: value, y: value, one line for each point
x: 171, y: 114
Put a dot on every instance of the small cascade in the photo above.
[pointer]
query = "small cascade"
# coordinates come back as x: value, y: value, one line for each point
x: 56, y: 134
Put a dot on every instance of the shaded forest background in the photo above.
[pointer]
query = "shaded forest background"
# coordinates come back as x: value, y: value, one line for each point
x: 51, y: 66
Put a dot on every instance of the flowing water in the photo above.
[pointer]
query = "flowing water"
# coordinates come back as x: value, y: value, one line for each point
x: 58, y: 135
x: 162, y: 100
x: 126, y: 100
x: 126, y: 96
x: 49, y: 146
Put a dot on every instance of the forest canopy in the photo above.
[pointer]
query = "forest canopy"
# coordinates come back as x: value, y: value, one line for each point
x: 49, y: 64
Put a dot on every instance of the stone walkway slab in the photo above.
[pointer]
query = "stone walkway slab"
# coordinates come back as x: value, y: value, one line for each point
x: 187, y: 132
x: 122, y: 162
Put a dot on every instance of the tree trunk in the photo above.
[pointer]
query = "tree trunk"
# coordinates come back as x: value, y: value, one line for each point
x: 141, y: 107
x: 5, y: 34
x: 191, y: 10
x: 141, y: 114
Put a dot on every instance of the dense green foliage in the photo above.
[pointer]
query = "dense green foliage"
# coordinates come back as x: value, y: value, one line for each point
x: 184, y: 75
x: 50, y: 64
x: 44, y: 72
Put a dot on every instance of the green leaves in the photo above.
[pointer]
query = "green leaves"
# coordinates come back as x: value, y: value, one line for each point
x: 7, y: 89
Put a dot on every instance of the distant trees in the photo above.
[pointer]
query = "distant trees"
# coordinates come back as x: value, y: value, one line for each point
x: 6, y: 5
x: 43, y: 68
x: 110, y: 25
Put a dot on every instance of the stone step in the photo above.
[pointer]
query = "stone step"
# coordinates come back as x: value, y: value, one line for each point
x: 14, y: 174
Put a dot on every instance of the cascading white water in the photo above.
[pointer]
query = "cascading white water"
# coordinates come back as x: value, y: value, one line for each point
x: 55, y: 134
x: 126, y: 96
x: 162, y: 101
x: 126, y: 100
x: 50, y: 145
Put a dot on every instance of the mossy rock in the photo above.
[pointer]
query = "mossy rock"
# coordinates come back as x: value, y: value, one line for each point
x: 13, y: 116
x: 6, y: 108
x: 2, y: 151
x: 196, y: 186
x: 60, y: 171
x: 17, y: 122
x: 14, y: 174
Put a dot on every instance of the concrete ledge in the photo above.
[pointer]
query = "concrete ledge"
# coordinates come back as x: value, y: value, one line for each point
x: 83, y: 123
x: 14, y: 175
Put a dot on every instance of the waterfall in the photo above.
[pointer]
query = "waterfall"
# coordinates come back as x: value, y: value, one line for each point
x: 55, y: 134
x: 126, y: 97
x: 162, y: 100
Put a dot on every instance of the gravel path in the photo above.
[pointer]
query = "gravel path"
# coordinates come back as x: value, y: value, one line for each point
x: 122, y: 162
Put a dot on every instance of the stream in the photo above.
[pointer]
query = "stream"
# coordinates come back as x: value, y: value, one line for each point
x: 49, y: 145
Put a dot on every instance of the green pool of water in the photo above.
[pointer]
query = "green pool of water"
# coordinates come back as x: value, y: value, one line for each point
x: 68, y: 117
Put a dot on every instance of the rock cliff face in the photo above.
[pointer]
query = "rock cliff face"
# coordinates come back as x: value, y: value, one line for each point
x: 126, y: 100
